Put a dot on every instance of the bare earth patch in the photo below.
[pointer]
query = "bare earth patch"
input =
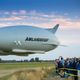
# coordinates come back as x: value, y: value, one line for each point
x: 34, y: 74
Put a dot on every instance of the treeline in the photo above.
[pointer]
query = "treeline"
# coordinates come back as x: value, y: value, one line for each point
x: 31, y: 60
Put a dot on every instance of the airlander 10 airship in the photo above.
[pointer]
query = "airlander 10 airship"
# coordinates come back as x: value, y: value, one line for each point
x: 23, y: 40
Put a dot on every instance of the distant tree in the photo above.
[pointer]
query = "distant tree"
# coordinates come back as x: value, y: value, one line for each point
x: 37, y: 59
x: 0, y: 60
x: 25, y: 60
x: 32, y: 60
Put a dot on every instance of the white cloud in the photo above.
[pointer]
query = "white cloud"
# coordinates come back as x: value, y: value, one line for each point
x: 12, y: 18
x: 69, y: 41
x: 38, y: 19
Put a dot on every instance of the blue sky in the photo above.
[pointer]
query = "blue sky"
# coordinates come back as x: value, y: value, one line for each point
x: 45, y: 14
x: 63, y: 6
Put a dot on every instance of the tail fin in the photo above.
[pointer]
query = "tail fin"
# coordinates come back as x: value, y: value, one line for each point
x: 53, y: 30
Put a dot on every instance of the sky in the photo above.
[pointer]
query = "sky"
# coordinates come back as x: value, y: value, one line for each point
x: 46, y: 14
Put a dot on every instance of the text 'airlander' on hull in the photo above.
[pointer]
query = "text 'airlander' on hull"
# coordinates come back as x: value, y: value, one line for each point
x: 24, y: 40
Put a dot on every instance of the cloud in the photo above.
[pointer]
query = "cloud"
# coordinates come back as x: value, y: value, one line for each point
x: 23, y: 12
x: 38, y: 19
x: 69, y: 41
x: 12, y: 18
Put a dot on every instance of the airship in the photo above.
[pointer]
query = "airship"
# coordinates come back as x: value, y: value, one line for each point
x: 22, y: 40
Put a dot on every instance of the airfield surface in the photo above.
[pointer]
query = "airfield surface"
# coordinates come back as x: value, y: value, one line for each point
x: 29, y: 71
x: 9, y: 69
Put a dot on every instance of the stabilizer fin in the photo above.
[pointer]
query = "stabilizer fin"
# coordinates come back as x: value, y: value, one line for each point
x: 54, y: 29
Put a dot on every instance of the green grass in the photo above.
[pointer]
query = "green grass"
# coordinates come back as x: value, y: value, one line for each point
x: 5, y: 78
x: 25, y: 65
x: 8, y: 66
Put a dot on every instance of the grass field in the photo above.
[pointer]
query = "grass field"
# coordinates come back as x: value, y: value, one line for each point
x: 25, y: 65
x: 14, y: 71
x: 29, y: 71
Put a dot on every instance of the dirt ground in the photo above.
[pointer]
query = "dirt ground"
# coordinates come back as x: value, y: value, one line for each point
x: 35, y: 74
